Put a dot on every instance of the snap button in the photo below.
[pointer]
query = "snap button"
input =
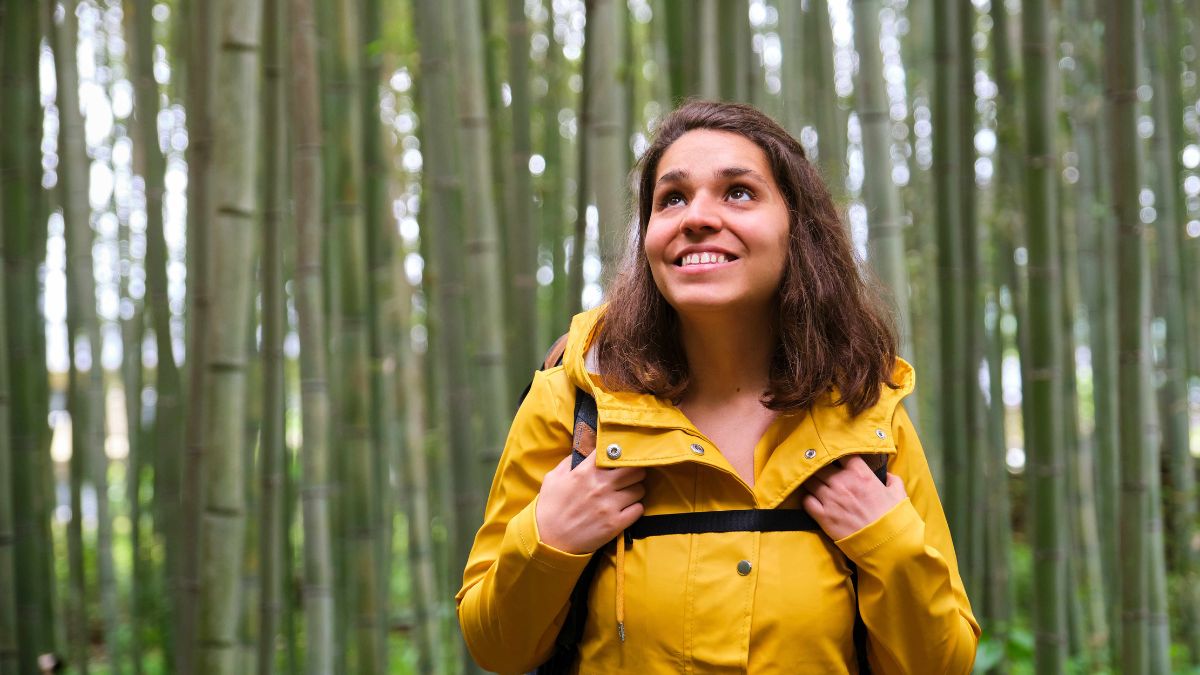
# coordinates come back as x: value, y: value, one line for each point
x: 810, y: 453
x: 697, y: 448
x: 614, y: 451
x: 879, y: 433
x: 744, y: 567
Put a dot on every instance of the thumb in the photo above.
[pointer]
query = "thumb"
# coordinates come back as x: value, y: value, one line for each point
x: 896, y: 483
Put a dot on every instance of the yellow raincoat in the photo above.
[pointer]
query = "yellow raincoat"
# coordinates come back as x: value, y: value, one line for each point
x: 687, y: 606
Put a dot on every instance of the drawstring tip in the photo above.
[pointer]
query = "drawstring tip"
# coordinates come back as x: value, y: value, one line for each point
x: 621, y: 630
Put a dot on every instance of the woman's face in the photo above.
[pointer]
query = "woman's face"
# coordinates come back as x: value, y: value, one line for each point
x: 717, y: 239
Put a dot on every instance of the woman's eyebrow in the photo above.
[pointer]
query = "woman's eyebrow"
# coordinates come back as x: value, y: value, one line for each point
x: 727, y: 173
x: 740, y: 172
x: 672, y: 176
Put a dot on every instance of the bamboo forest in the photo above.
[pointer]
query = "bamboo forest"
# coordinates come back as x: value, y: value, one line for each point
x: 276, y: 272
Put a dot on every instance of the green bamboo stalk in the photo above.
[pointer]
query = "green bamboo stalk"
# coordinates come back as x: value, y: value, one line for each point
x: 830, y: 125
x: 660, y: 86
x: 710, y: 46
x: 307, y: 191
x: 998, y: 608
x: 441, y: 208
x: 917, y: 52
x: 381, y: 240
x: 553, y: 213
x: 352, y: 397
x: 608, y: 149
x: 971, y: 562
x: 683, y: 25
x: 998, y: 603
x: 234, y: 171
x: 1096, y: 255
x: 20, y: 197
x: 133, y: 333
x: 1120, y: 61
x: 796, y: 101
x: 341, y: 337
x: 1042, y: 382
x: 732, y: 46
x: 879, y: 194
x: 493, y: 22
x: 202, y: 27
x: 272, y: 453
x: 947, y: 168
x: 485, y: 271
x: 415, y: 478
x: 167, y: 438
x: 249, y: 580
x: 523, y: 345
x: 86, y: 390
x: 583, y: 181
x: 1088, y: 587
x: 9, y: 630
x: 1170, y: 289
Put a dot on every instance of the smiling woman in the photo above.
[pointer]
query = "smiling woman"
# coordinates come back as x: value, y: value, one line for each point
x: 745, y: 388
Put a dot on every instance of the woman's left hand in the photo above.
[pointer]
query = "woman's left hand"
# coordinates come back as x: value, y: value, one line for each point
x: 846, y: 496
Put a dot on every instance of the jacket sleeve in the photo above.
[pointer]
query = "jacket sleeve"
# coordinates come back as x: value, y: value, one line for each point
x: 515, y: 588
x: 911, y: 597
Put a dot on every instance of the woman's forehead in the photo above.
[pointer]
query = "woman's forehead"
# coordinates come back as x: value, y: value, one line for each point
x: 708, y: 149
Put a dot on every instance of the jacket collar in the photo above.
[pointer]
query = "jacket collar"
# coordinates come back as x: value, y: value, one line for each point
x: 647, y: 427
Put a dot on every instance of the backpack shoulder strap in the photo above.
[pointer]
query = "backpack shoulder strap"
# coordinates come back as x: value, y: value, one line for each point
x: 554, y: 356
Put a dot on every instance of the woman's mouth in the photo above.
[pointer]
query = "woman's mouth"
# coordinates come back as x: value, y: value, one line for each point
x: 704, y: 258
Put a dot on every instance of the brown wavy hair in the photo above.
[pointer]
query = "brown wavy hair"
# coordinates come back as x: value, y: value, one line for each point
x: 832, y: 327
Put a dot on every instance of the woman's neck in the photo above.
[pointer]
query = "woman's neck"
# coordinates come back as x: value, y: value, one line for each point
x: 728, y: 357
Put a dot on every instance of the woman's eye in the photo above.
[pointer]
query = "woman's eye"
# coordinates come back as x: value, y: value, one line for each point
x: 740, y: 194
x: 671, y: 199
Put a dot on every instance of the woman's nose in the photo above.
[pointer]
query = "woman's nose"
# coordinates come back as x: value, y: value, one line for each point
x: 702, y: 215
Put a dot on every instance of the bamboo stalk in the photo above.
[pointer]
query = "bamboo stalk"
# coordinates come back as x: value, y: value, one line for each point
x: 608, y: 149
x: 9, y: 629
x: 234, y: 170
x: 272, y: 453
x: 201, y: 31
x: 352, y: 398
x: 886, y: 227
x: 307, y: 190
x: 1120, y: 60
x: 485, y: 271
x: 1043, y: 382
x: 1170, y: 298
x: 86, y: 390
x: 524, y: 348
x: 947, y: 168
x: 830, y: 125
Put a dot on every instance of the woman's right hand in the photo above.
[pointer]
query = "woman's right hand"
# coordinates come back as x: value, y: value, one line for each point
x: 580, y: 510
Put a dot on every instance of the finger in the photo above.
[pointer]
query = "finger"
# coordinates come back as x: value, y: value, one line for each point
x: 633, y: 493
x: 826, y: 473
x: 896, y: 481
x: 629, y: 514
x: 626, y: 476
x: 813, y: 505
x: 858, y: 465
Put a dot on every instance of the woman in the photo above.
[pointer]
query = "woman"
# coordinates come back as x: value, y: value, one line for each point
x: 740, y: 364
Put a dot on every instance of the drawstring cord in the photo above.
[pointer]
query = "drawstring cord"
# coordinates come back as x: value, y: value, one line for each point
x: 621, y: 586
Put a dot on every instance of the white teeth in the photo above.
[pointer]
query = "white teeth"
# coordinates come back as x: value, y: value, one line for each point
x: 704, y: 258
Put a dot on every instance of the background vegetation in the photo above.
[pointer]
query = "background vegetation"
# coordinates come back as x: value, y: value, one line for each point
x: 274, y: 272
